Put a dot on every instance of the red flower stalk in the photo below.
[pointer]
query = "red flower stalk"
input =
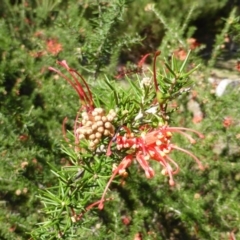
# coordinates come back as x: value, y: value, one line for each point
x: 127, y: 72
x: 84, y: 95
x: 91, y: 123
x: 82, y: 89
x: 78, y: 217
x: 142, y: 61
x: 153, y: 145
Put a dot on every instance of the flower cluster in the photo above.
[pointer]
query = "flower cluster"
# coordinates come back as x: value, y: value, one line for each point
x: 85, y: 96
x: 141, y: 145
x: 95, y: 125
x: 53, y: 46
x: 152, y: 145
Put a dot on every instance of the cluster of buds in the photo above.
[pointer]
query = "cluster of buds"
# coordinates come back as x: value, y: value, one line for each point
x: 94, y: 125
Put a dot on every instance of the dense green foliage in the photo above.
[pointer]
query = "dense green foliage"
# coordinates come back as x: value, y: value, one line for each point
x: 97, y: 38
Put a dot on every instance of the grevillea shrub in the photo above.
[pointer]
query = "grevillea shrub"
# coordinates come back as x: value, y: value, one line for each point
x: 119, y: 133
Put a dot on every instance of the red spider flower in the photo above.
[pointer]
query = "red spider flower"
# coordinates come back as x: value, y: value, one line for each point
x: 227, y: 122
x: 180, y: 54
x: 53, y: 46
x: 138, y: 236
x: 193, y: 43
x: 82, y: 89
x: 153, y: 145
x: 126, y: 220
x: 238, y: 66
x: 94, y: 123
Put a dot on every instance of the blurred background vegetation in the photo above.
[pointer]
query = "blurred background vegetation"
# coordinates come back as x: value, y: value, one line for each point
x: 97, y: 38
